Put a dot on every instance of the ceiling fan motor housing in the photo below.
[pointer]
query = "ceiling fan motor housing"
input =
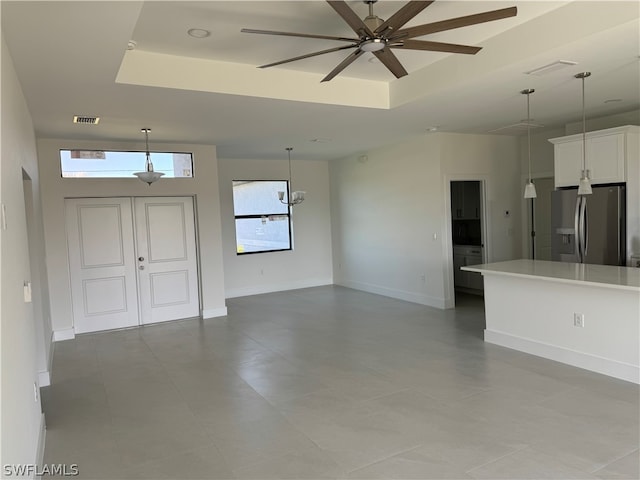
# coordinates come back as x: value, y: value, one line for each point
x: 373, y: 22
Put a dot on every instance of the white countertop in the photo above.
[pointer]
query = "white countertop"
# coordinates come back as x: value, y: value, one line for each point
x: 621, y: 278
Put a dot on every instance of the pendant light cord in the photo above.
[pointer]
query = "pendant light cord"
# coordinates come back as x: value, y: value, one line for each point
x: 529, y: 135
x: 290, y: 177
x: 582, y: 76
x: 584, y: 133
x: 148, y: 154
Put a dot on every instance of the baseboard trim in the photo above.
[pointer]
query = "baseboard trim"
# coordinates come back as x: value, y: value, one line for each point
x: 605, y: 366
x: 278, y: 287
x: 66, y: 334
x: 214, y: 312
x: 41, y: 441
x: 398, y: 294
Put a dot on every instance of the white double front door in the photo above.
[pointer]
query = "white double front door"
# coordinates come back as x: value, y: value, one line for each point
x: 132, y: 261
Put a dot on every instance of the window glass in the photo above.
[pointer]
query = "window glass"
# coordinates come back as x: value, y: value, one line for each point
x: 263, y: 223
x: 111, y: 164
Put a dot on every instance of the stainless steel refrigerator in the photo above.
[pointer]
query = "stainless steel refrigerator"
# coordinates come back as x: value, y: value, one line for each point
x: 589, y: 228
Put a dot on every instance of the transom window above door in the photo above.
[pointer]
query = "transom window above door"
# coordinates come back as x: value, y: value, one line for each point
x: 121, y: 164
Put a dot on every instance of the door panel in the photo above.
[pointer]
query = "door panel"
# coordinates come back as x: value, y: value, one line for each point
x: 167, y: 266
x: 101, y: 260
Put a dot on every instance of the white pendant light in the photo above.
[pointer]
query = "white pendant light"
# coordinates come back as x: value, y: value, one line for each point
x: 530, y: 188
x: 296, y: 197
x: 584, y: 186
x: 148, y: 176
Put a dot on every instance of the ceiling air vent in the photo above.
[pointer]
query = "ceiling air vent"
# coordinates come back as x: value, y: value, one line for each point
x: 551, y: 67
x: 86, y: 120
x: 516, y: 128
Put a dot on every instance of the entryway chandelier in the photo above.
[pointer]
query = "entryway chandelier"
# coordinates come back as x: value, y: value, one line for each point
x: 296, y: 197
x: 148, y: 176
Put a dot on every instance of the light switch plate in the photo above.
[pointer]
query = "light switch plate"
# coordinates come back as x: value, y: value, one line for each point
x: 3, y: 222
x: 27, y: 292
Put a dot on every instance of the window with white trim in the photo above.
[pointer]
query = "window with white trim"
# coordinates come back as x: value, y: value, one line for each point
x: 263, y: 224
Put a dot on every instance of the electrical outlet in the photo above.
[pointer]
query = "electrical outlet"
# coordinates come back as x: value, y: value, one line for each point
x: 578, y: 320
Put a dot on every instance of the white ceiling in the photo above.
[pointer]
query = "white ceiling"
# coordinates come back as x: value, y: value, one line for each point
x: 68, y: 56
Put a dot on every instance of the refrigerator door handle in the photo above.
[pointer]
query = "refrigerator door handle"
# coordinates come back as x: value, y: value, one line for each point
x: 585, y: 229
x: 578, y: 249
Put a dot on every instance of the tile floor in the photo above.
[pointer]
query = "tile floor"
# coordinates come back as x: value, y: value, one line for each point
x: 328, y: 383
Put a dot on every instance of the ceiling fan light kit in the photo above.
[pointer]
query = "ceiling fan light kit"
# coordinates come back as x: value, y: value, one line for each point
x: 380, y: 36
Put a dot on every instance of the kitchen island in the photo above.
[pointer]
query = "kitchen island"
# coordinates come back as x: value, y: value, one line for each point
x: 583, y: 315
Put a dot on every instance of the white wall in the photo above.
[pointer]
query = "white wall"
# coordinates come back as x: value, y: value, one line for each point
x: 25, y: 340
x: 54, y: 190
x: 309, y: 263
x: 390, y: 214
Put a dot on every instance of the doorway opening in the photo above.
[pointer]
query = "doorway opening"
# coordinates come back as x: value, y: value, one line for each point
x: 468, y: 235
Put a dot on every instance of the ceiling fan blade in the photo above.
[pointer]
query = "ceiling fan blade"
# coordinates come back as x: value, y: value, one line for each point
x: 352, y: 19
x: 308, y: 55
x: 303, y: 35
x: 436, y: 47
x: 390, y: 61
x: 402, y: 16
x: 344, y: 64
x: 452, y: 23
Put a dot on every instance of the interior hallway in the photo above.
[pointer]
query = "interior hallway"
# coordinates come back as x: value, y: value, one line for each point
x: 330, y: 382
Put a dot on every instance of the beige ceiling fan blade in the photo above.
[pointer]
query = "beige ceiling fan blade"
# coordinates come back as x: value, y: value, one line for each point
x: 344, y: 64
x: 436, y: 47
x: 390, y: 61
x: 308, y: 55
x: 301, y: 35
x: 402, y: 16
x: 454, y: 23
x: 352, y: 19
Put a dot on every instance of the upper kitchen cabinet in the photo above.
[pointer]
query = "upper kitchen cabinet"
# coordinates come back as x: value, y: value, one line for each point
x: 607, y: 156
x: 465, y: 200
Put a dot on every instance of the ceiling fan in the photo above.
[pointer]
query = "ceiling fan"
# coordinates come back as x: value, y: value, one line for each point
x: 380, y: 36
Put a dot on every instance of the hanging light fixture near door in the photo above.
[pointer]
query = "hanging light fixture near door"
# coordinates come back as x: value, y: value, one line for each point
x: 293, y: 198
x: 148, y: 176
x: 584, y: 186
x: 530, y: 188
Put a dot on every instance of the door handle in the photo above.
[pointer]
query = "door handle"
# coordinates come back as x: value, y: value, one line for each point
x: 141, y: 259
x: 141, y: 267
x: 576, y: 220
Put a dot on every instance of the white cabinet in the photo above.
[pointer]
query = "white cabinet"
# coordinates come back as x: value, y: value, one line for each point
x: 606, y: 157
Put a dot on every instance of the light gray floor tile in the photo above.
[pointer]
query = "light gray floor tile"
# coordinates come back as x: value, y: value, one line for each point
x: 411, y: 465
x: 329, y: 382
x: 529, y: 463
x: 627, y: 467
x: 199, y: 463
